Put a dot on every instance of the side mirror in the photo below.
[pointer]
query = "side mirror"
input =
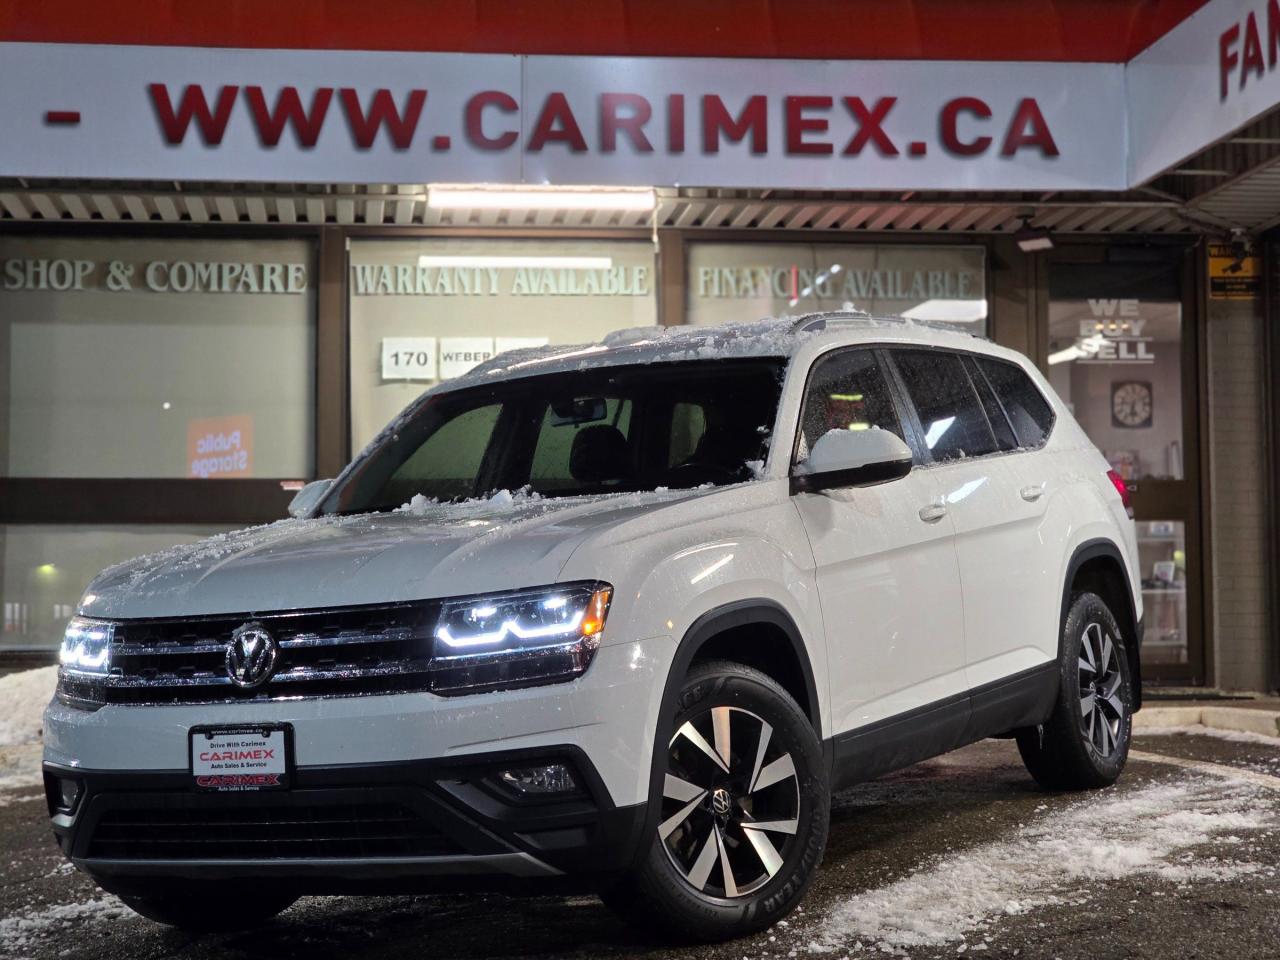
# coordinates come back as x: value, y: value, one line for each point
x: 852, y: 458
x: 305, y: 500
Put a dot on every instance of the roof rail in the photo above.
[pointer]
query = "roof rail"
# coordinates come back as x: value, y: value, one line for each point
x: 820, y: 321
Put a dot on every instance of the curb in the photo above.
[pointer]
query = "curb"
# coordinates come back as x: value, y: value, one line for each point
x: 1238, y: 719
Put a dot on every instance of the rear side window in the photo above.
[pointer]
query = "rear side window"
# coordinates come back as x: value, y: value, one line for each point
x: 1028, y: 410
x: 847, y: 391
x: 1000, y: 426
x: 954, y: 423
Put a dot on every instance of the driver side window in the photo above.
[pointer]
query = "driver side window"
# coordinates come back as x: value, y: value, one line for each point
x: 846, y: 391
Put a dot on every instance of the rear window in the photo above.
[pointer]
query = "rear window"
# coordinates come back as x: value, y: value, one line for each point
x: 955, y: 425
x: 1028, y: 410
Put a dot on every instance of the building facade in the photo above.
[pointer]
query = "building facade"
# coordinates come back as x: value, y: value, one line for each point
x: 223, y: 271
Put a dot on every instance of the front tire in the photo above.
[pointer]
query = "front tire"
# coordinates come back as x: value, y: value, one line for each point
x: 1085, y: 742
x: 206, y: 910
x: 744, y: 811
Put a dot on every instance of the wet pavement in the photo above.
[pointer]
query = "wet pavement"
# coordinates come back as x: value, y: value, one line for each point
x: 956, y: 856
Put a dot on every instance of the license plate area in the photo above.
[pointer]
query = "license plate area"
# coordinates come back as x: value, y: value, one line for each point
x: 241, y: 758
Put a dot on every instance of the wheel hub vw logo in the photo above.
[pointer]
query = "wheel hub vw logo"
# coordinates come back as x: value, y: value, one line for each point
x: 721, y: 802
x: 251, y: 656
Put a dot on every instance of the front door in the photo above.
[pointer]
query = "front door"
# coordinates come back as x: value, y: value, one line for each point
x: 887, y: 575
x: 1121, y: 357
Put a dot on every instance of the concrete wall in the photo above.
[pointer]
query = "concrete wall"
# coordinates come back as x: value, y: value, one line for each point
x: 1238, y: 492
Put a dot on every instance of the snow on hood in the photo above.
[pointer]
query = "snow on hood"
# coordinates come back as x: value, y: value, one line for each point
x: 423, y: 550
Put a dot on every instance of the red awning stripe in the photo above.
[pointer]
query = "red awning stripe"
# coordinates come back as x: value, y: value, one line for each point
x: 1052, y: 30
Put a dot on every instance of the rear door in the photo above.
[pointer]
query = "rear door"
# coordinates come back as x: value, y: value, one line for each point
x: 1034, y: 544
x: 887, y: 576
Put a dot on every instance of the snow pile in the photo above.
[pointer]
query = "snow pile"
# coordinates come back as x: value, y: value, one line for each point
x: 1053, y: 861
x: 63, y: 919
x: 23, y: 697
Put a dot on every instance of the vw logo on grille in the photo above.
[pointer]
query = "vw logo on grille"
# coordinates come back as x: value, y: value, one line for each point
x: 251, y: 655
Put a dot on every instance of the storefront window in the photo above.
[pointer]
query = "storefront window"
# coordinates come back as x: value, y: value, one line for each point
x: 730, y: 282
x: 44, y: 570
x: 156, y: 358
x: 1162, y: 556
x: 423, y: 311
x: 1115, y: 357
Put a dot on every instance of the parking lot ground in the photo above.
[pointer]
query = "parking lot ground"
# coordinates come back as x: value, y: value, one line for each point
x: 961, y: 855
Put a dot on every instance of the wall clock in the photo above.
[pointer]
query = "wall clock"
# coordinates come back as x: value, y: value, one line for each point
x: 1131, y: 403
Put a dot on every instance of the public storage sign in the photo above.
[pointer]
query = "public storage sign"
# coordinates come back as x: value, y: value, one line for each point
x: 324, y: 116
x: 219, y: 447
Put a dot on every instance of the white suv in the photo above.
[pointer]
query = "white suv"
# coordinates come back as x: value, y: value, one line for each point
x: 725, y: 571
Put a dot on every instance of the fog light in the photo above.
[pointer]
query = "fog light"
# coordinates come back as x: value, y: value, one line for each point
x: 68, y: 794
x: 540, y: 781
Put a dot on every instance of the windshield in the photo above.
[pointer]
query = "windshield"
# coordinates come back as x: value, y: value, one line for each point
x: 607, y: 430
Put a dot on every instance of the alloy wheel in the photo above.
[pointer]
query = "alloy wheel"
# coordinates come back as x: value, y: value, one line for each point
x: 1102, y: 709
x: 730, y: 802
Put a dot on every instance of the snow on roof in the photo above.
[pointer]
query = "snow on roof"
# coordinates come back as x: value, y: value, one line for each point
x: 774, y: 337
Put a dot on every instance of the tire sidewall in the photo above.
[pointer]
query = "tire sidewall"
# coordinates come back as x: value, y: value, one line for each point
x: 1086, y: 609
x: 701, y: 691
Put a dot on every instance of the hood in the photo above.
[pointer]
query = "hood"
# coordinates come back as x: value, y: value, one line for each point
x: 423, y: 551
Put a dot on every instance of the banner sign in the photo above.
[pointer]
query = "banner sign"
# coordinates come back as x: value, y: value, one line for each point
x: 156, y: 276
x: 1213, y: 73
x: 167, y: 113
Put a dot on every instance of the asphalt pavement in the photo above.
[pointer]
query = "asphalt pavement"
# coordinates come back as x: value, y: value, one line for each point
x: 961, y: 855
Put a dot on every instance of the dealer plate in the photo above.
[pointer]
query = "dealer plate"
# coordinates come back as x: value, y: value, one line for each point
x: 242, y: 758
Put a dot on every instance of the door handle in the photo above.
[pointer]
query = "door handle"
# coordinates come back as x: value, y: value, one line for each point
x: 933, y: 512
x: 1032, y: 493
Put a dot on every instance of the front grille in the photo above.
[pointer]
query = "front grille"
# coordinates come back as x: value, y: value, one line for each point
x: 354, y: 650
x: 298, y: 830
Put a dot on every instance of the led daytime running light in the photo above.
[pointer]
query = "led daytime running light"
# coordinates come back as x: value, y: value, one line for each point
x: 581, y: 617
x: 86, y: 647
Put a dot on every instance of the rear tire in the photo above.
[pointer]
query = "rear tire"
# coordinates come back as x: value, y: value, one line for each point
x: 1085, y: 742
x: 201, y: 909
x: 741, y: 752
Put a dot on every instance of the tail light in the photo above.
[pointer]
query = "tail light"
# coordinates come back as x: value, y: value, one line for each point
x: 1122, y: 488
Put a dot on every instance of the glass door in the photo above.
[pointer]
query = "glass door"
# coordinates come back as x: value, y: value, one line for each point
x: 1122, y: 356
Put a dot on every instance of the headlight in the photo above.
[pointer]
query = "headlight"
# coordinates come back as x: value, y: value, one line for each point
x: 519, y: 639
x: 86, y: 648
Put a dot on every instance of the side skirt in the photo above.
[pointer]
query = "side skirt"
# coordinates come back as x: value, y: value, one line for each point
x: 1022, y: 700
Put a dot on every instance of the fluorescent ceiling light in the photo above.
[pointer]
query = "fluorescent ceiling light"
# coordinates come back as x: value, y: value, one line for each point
x: 499, y: 262
x: 949, y: 311
x: 449, y: 197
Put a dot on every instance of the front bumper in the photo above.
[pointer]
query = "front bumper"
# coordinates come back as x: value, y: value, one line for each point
x: 362, y: 828
x: 421, y: 754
